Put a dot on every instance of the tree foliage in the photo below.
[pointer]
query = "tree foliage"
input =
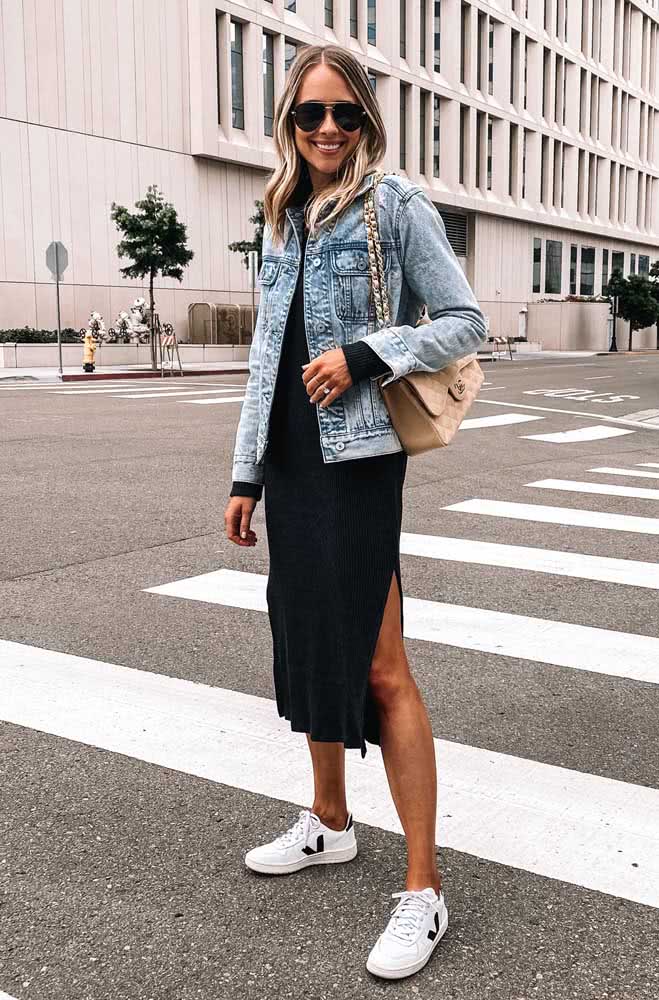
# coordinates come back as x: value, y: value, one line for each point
x: 244, y: 246
x: 636, y: 303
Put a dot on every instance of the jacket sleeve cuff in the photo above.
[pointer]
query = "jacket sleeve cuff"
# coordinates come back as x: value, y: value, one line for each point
x: 245, y: 489
x: 363, y: 362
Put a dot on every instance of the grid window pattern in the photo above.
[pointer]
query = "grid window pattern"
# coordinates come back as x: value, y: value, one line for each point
x: 371, y: 22
x: 268, y: 84
x: 237, y: 88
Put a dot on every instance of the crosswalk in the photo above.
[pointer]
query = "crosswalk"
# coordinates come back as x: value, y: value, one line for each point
x: 506, y: 809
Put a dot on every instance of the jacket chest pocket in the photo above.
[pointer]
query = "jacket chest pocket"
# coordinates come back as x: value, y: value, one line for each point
x: 267, y: 280
x: 350, y: 271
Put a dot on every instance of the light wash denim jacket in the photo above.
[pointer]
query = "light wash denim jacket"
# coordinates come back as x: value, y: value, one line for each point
x: 420, y: 267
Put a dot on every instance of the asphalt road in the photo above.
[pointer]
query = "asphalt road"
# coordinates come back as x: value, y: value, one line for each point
x: 141, y: 752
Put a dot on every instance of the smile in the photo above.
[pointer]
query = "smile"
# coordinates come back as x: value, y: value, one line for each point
x: 328, y: 147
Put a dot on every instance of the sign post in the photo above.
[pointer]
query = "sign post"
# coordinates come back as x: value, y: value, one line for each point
x: 253, y: 273
x: 57, y: 260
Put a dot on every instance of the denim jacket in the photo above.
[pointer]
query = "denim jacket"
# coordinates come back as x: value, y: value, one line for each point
x: 420, y: 267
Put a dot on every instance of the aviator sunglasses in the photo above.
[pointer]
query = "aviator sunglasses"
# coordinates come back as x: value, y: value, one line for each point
x: 309, y: 114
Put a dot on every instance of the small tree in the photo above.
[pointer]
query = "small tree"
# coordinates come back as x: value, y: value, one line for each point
x: 638, y: 305
x: 155, y: 241
x: 244, y: 246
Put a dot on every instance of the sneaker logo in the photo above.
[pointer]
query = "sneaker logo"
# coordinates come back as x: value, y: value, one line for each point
x: 433, y: 934
x: 320, y: 846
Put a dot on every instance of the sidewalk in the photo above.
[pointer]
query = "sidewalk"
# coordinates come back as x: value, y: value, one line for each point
x: 75, y: 373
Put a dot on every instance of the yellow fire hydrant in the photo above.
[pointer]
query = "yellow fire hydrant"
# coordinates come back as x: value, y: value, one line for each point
x: 90, y: 345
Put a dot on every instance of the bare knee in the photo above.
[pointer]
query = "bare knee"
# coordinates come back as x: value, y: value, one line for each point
x: 389, y: 679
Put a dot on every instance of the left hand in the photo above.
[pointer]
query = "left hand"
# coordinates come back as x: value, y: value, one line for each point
x: 329, y: 370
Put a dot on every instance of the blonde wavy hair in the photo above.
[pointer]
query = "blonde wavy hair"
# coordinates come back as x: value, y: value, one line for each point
x: 368, y: 153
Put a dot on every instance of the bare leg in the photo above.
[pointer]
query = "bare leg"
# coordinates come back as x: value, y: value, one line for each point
x: 329, y: 783
x: 407, y: 746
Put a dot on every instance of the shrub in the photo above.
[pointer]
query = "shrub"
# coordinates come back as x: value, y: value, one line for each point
x: 28, y: 335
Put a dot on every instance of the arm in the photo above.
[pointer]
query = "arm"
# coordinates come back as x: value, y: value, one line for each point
x: 434, y: 276
x: 363, y: 362
x: 245, y: 469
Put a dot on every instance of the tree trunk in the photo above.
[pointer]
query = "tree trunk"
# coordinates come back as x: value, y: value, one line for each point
x: 630, y: 335
x: 154, y: 361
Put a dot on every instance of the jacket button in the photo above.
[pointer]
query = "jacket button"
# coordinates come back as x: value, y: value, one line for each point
x: 316, y: 261
x: 339, y: 446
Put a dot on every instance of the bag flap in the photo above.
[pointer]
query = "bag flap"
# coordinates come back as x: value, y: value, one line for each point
x: 432, y: 388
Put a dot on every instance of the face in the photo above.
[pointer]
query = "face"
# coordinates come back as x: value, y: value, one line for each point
x: 322, y: 83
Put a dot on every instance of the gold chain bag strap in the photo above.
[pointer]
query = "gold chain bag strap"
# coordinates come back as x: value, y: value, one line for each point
x: 426, y: 408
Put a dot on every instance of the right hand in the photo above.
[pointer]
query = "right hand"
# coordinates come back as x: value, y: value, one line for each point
x: 237, y: 518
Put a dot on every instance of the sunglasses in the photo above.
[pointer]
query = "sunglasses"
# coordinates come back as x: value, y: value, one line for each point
x: 309, y: 115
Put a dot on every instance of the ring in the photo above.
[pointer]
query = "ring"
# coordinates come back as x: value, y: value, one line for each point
x: 326, y: 391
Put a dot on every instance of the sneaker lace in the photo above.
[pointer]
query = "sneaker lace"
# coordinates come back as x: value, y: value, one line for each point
x: 299, y: 830
x: 408, y: 914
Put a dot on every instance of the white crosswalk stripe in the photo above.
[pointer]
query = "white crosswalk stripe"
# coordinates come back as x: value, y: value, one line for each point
x: 500, y: 420
x: 626, y: 472
x: 604, y: 834
x: 596, y: 433
x: 600, y: 489
x: 573, y: 564
x: 558, y: 515
x: 581, y: 647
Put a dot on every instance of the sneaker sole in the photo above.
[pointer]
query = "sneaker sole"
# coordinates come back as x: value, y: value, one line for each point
x: 409, y: 970
x: 326, y: 858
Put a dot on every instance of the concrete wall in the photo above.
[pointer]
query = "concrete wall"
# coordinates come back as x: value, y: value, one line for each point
x: 581, y: 326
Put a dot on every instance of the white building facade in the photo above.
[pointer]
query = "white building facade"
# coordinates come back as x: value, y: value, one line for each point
x: 531, y: 125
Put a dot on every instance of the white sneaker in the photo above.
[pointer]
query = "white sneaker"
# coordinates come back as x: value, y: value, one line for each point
x: 413, y: 932
x: 307, y: 842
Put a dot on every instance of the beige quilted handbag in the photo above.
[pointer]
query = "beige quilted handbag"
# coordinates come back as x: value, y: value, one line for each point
x: 426, y: 408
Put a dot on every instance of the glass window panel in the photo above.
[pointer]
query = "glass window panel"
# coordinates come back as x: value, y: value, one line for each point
x: 587, y: 284
x: 553, y: 261
x: 237, y: 93
x: 573, y: 269
x: 537, y: 262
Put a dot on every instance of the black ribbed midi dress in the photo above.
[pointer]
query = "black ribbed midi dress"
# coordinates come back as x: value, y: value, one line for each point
x: 333, y: 535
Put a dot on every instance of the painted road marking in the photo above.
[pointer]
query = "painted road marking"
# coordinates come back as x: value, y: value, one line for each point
x: 541, y: 640
x: 499, y: 420
x: 556, y: 562
x: 212, y: 386
x: 626, y: 472
x: 194, y: 392
x: 207, y: 402
x: 594, y: 433
x: 574, y: 413
x: 491, y: 388
x: 595, y: 378
x: 5, y: 996
x: 649, y: 465
x: 579, y: 395
x: 601, y: 489
x: 567, y: 516
x: 603, y: 833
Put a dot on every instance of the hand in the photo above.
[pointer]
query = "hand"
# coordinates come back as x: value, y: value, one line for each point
x: 237, y: 519
x: 328, y: 369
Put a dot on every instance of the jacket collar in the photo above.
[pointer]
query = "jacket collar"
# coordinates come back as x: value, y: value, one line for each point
x: 296, y: 212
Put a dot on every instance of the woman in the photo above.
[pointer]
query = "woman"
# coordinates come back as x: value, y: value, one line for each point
x: 315, y: 432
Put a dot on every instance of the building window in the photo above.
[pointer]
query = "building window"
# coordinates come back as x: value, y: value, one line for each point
x: 218, y: 65
x: 481, y: 26
x: 423, y: 120
x: 237, y: 92
x: 354, y: 7
x: 402, y: 125
x: 464, y: 136
x: 526, y: 64
x: 632, y: 263
x: 490, y: 59
x: 480, y: 125
x: 524, y: 137
x: 436, y: 28
x: 573, y: 269
x: 537, y: 263
x: 435, y: 134
x: 403, y: 29
x: 587, y: 285
x: 464, y: 41
x: 268, y: 84
x: 371, y: 15
x: 553, y: 261
x: 605, y: 270
x: 291, y: 5
x: 618, y: 262
x: 513, y: 139
x: 514, y: 65
x: 489, y: 154
x: 373, y: 80
x: 643, y: 264
x: 422, y: 32
x: 290, y: 52
x: 329, y: 13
